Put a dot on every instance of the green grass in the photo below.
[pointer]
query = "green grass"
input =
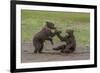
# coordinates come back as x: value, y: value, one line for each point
x: 33, y: 21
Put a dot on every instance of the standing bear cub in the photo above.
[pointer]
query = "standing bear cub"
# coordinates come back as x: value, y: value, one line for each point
x: 70, y: 41
x: 44, y: 34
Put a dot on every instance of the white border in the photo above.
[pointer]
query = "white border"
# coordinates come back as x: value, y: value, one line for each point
x: 20, y: 65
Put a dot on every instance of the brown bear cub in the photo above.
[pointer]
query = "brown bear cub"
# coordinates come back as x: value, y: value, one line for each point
x: 70, y: 41
x: 44, y: 34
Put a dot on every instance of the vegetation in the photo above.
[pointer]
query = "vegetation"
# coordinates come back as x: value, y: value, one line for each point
x: 33, y: 21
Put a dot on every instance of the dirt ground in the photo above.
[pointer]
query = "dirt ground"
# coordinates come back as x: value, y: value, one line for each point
x: 27, y: 55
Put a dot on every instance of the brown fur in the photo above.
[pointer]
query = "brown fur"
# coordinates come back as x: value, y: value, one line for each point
x: 70, y: 42
x: 44, y: 34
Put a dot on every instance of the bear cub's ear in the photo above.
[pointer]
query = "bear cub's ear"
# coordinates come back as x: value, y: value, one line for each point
x: 47, y: 22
